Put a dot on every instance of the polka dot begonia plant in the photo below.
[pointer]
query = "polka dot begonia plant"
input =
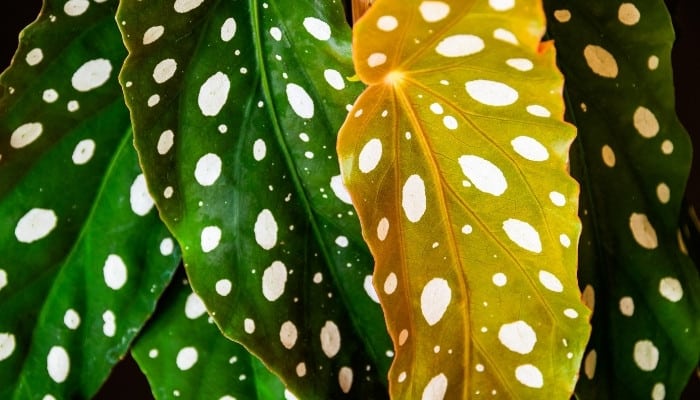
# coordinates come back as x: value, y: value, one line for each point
x: 433, y: 204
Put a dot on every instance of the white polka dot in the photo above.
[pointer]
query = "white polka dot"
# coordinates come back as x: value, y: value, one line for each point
x: 301, y: 369
x: 671, y: 289
x: 3, y: 279
x: 208, y: 169
x: 523, y: 234
x: 300, y: 101
x: 34, y: 56
x: 330, y: 339
x: 658, y: 392
x: 434, y: 11
x: 600, y: 61
x: 265, y: 230
x: 608, y: 156
x: 213, y: 94
x: 589, y: 364
x: 152, y: 34
x: 628, y: 14
x: 317, y: 28
x: 153, y: 100
x: 646, y: 355
x: 164, y: 70
x: 645, y: 122
x: 518, y: 337
x: 483, y: 174
x: 168, y: 192
x: 184, y: 6
x: 571, y: 313
x: 391, y: 283
x: 663, y: 192
x: 413, y: 200
x: 499, y: 279
x: 153, y: 353
x: 627, y: 306
x: 450, y: 122
x: 550, y: 281
x: 436, y: 388
x: 50, y: 95
x: 114, y: 272
x: 58, y: 364
x: 92, y: 75
x: 667, y: 147
x: 434, y: 299
x: 276, y: 33
x: 345, y: 379
x: 557, y: 199
x: 387, y: 23
x: 644, y: 234
x: 223, y: 287
x: 339, y: 189
x: 228, y: 29
x: 529, y: 375
x: 370, y: 155
x: 139, y: 198
x: 376, y: 59
x: 653, y: 63
x: 502, y: 5
x: 83, y: 152
x: 194, y: 306
x: 210, y: 238
x: 459, y: 46
x: 249, y: 326
x: 71, y: 319
x: 562, y: 15
x: 7, y: 345
x: 26, y: 134
x: 342, y: 241
x: 274, y: 280
x: 74, y: 8
x: 467, y: 229
x: 564, y: 240
x: 288, y: 334
x: 538, y: 111
x: 259, y: 150
x: 529, y: 148
x: 186, y: 358
x: 369, y: 289
x: 491, y: 93
x: 167, y: 246
x: 73, y: 106
x: 401, y: 377
x: 109, y: 324
x: 505, y: 35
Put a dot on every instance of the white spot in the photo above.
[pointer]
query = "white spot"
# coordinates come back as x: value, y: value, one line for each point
x: 667, y: 147
x: 403, y: 336
x: 382, y: 229
x: 645, y: 122
x: 153, y: 100
x: 34, y: 56
x: 491, y: 93
x: 3, y: 279
x: 74, y: 8
x: 317, y: 28
x: 164, y: 70
x: 436, y: 108
x: 436, y: 388
x: 153, y: 353
x: 376, y: 59
x: 276, y: 33
x: 571, y: 313
x: 184, y: 6
x: 50, y: 95
x: 658, y: 392
x: 91, y: 75
x: 502, y: 5
x: 529, y: 375
x: 139, y: 198
x: 467, y: 229
x: 301, y: 102
x: 73, y: 106
x: 627, y: 306
x: 259, y: 150
x: 518, y: 337
x: 83, y: 152
x: 529, y: 148
x: 186, y: 358
x: 653, y: 63
x: 450, y: 122
x: 167, y: 246
x: 35, y: 224
x: 538, y: 111
x: 152, y: 34
x: 387, y: 23
x: 168, y: 192
x: 459, y: 46
x: 499, y: 279
x: 483, y: 174
x: 7, y: 345
x: 301, y: 369
x: 342, y: 241
x: 663, y: 192
x: 505, y: 35
x: 228, y: 29
x: 318, y: 277
x: 213, y: 94
x: 551, y: 282
x: 109, y: 325
x: 370, y: 155
x: 339, y: 189
x: 266, y: 230
x: 391, y: 283
x: 210, y: 238
x: 208, y: 169
x: 564, y: 240
x: 562, y: 15
x: 628, y: 14
x: 646, y: 355
x: 434, y: 11
x: 334, y: 78
x: 600, y: 61
x: 345, y: 379
x: 590, y: 363
x: 523, y: 234
x: 413, y: 198
x: 165, y: 142
x: 643, y: 232
x: 26, y: 134
x: 194, y: 306
x: 288, y: 334
x: 274, y: 280
x: 330, y: 339
x: 114, y: 272
x: 608, y: 156
x: 72, y: 319
x: 369, y: 289
x: 434, y: 299
x: 249, y: 326
x: 671, y: 289
x: 402, y: 377
x: 223, y: 287
x: 557, y: 199
x: 58, y: 364
x: 521, y: 64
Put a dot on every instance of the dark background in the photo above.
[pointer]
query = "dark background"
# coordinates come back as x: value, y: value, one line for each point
x: 126, y: 379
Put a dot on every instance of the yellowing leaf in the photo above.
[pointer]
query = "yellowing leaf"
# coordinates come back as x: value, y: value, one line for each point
x: 455, y: 158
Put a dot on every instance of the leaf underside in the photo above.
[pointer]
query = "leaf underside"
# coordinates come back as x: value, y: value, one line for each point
x: 632, y: 157
x: 235, y: 107
x: 455, y: 157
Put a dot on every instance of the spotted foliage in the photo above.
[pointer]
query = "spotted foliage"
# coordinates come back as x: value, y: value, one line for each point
x: 633, y: 158
x: 235, y: 107
x: 455, y: 157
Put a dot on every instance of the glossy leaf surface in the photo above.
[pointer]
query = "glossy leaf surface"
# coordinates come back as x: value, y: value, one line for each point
x: 455, y: 157
x: 633, y: 158
x: 184, y: 355
x: 236, y: 105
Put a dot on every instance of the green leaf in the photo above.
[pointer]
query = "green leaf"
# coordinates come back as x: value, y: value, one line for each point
x: 184, y: 355
x: 632, y: 159
x: 456, y: 161
x: 84, y: 258
x: 235, y: 107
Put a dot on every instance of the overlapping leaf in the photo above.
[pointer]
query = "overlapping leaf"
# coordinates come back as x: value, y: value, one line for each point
x: 235, y: 107
x: 456, y: 160
x: 84, y: 258
x: 184, y: 355
x: 633, y: 158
